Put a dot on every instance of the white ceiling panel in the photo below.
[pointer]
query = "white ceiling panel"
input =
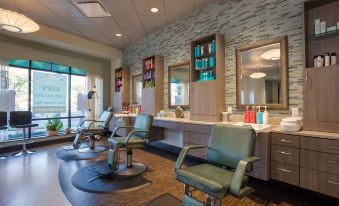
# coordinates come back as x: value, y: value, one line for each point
x: 179, y: 6
x: 120, y: 7
x: 132, y: 18
x: 144, y: 6
x: 154, y: 22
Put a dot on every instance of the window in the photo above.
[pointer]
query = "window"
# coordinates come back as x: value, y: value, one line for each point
x: 48, y: 90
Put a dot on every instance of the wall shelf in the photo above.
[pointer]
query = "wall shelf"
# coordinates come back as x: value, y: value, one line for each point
x: 122, y: 88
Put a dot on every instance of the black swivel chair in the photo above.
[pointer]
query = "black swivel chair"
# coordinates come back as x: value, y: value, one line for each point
x: 22, y: 120
x: 3, y: 123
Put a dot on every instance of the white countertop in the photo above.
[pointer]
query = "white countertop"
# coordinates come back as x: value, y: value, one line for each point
x: 273, y: 128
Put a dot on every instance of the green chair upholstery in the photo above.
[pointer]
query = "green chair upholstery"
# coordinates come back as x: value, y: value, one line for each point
x: 88, y: 129
x: 230, y: 151
x: 135, y: 139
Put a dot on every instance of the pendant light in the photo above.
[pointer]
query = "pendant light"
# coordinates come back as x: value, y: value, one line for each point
x: 15, y: 22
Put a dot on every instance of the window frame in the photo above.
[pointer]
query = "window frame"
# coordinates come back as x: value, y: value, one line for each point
x: 69, y: 99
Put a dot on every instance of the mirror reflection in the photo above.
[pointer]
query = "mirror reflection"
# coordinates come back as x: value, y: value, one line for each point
x: 137, y: 89
x: 179, y: 85
x: 262, y: 74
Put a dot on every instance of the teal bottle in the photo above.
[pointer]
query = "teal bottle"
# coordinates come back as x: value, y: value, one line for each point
x: 259, y: 116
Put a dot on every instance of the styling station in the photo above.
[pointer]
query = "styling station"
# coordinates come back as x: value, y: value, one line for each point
x: 169, y: 102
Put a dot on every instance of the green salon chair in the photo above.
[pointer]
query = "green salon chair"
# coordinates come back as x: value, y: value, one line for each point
x: 230, y: 151
x: 135, y: 139
x: 88, y: 132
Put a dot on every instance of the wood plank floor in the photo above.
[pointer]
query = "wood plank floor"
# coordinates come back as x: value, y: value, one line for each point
x: 42, y: 179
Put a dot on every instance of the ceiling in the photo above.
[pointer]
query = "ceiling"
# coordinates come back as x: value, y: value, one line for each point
x: 132, y: 18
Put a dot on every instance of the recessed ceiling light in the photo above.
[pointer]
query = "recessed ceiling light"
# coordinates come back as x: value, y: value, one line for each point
x: 154, y: 10
x: 119, y: 35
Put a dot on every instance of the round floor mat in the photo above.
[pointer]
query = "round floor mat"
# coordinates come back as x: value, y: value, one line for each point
x: 89, y: 180
x: 75, y: 155
x: 165, y: 200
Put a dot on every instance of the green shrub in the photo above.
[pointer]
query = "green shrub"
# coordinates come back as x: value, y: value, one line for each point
x: 54, y: 124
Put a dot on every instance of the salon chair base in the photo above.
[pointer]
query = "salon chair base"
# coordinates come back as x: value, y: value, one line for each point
x: 24, y: 153
x: 136, y: 169
x: 96, y: 149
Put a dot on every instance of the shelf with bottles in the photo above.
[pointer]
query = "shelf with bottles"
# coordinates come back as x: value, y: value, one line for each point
x: 118, y: 79
x: 149, y: 72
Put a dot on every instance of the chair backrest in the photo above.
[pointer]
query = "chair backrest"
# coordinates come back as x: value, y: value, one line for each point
x: 143, y: 121
x: 3, y: 119
x: 20, y: 118
x: 106, y: 117
x: 229, y: 144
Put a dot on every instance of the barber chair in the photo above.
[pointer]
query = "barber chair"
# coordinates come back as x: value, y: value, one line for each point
x: 229, y: 156
x: 135, y: 139
x: 3, y: 123
x: 88, y: 133
x: 22, y: 120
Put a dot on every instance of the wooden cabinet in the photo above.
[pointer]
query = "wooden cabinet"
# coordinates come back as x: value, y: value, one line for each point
x: 207, y: 96
x: 313, y: 166
x: 285, y: 158
x: 122, y: 89
x: 152, y: 98
x: 321, y: 99
x: 195, y: 138
x: 321, y: 84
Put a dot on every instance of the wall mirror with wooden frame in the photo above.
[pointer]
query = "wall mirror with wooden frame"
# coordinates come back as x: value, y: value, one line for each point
x: 262, y: 74
x: 178, y: 85
x: 136, y: 88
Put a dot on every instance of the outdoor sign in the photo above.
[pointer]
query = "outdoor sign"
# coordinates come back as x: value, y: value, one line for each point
x: 49, y: 92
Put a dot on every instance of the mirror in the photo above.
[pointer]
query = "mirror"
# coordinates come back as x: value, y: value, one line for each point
x: 262, y: 74
x: 178, y: 85
x: 136, y: 88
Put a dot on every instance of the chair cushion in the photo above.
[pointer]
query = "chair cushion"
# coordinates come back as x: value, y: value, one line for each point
x: 119, y: 142
x: 208, y: 178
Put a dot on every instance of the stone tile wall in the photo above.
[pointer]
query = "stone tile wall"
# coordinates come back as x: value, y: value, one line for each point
x: 242, y: 22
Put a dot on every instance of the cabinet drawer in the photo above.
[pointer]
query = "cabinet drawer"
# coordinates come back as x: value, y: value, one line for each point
x: 285, y: 140
x: 319, y: 144
x: 285, y: 173
x: 319, y: 161
x: 286, y: 155
x: 319, y: 182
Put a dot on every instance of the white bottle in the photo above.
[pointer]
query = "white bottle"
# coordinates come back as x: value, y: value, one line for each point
x: 266, y: 117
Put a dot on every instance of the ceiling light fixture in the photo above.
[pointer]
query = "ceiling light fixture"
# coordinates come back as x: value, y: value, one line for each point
x: 15, y: 22
x: 273, y: 54
x: 154, y: 10
x: 91, y: 8
x: 257, y: 75
x: 119, y: 35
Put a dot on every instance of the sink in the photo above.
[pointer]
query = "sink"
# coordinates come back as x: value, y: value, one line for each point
x: 256, y: 127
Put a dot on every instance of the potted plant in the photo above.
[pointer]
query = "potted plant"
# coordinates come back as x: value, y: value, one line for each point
x: 53, y: 126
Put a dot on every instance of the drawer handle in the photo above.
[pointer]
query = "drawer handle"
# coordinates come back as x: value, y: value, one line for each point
x: 284, y: 153
x: 333, y: 183
x: 284, y: 140
x: 333, y: 162
x: 284, y: 170
x: 331, y: 147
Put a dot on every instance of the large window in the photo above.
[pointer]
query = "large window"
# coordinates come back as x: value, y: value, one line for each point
x: 48, y: 90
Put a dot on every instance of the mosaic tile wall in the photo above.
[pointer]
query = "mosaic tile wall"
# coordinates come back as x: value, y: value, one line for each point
x: 242, y: 22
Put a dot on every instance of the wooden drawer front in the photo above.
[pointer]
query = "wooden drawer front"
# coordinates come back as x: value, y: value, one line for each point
x: 286, y: 155
x: 285, y: 140
x: 285, y: 173
x: 319, y: 182
x: 319, y: 161
x: 319, y: 144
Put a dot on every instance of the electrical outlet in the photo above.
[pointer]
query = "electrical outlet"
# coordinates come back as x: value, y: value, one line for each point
x: 295, y: 112
x: 229, y: 110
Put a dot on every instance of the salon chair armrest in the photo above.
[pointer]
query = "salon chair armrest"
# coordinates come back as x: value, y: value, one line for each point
x: 238, y: 176
x: 183, y: 154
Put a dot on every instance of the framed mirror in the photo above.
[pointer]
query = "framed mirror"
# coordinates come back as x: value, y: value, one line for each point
x: 262, y: 74
x: 178, y: 85
x: 136, y: 88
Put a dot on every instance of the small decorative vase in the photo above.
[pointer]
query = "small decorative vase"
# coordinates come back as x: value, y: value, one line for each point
x: 179, y: 112
x: 52, y: 133
x: 68, y: 130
